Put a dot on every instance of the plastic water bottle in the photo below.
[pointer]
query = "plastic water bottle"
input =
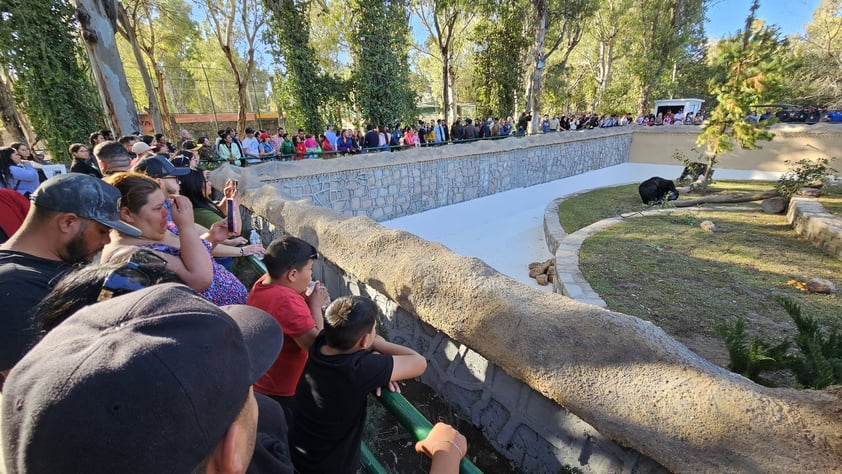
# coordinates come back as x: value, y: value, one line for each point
x: 254, y: 237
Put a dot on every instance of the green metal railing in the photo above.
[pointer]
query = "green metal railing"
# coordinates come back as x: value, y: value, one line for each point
x: 399, y: 407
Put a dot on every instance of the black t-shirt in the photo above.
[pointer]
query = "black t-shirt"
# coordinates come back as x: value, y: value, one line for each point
x: 271, y: 448
x: 330, y: 408
x: 24, y: 281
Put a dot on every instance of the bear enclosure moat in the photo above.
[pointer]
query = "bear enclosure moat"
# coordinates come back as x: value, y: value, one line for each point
x: 549, y: 380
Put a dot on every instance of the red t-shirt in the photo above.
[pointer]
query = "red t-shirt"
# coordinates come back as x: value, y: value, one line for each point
x: 290, y: 310
x: 13, y: 209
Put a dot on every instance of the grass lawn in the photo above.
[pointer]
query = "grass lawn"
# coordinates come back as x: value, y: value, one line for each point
x: 666, y: 270
x: 832, y: 202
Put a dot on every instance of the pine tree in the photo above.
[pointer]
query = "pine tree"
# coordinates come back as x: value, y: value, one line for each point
x: 751, y: 65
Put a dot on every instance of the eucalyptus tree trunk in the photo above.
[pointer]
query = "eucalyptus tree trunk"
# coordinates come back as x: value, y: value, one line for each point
x: 130, y: 34
x: 98, y: 20
x: 537, y: 63
x: 9, y: 115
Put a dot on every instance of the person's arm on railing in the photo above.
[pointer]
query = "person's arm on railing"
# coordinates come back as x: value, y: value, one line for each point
x: 445, y: 446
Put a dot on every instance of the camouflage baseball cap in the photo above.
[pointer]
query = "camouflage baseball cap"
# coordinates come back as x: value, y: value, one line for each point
x: 86, y: 196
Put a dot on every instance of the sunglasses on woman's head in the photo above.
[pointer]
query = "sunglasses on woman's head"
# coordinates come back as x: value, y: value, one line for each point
x: 129, y: 277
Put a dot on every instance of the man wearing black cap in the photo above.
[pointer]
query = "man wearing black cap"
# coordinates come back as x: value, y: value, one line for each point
x: 160, y: 168
x: 158, y: 380
x: 68, y: 223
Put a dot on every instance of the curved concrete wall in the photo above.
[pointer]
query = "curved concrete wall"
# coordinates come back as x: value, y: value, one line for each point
x: 791, y: 143
x: 511, y: 357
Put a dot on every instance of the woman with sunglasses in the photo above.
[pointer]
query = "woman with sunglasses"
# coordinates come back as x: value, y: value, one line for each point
x: 130, y: 269
x: 187, y: 254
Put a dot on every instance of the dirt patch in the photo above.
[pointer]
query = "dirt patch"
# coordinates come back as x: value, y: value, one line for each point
x: 394, y: 448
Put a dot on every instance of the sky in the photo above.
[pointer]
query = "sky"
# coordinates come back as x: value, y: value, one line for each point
x: 725, y: 17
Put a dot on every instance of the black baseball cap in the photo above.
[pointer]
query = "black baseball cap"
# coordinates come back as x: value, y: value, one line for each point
x: 159, y: 166
x: 86, y: 196
x: 145, y: 382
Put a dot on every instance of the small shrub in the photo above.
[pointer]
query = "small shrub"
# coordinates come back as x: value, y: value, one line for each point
x: 820, y: 363
x: 802, y: 173
x: 816, y: 365
x: 752, y: 358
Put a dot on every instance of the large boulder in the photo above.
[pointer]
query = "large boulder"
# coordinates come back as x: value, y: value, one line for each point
x: 774, y: 205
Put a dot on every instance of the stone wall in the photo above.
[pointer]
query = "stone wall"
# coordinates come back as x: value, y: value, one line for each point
x: 531, y: 430
x: 511, y: 357
x: 388, y: 185
x: 815, y: 224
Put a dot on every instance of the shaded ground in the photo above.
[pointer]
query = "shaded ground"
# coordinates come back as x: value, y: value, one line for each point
x: 395, y: 448
x: 667, y: 270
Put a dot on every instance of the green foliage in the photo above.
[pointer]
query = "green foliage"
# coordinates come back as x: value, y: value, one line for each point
x: 289, y: 29
x: 802, y: 173
x: 52, y: 87
x: 816, y: 365
x: 820, y: 363
x: 381, y: 69
x: 752, y: 65
x: 660, y: 31
x: 815, y: 78
x: 752, y: 358
x: 499, y: 68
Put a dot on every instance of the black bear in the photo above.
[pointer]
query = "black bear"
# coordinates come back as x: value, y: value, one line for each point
x: 656, y: 189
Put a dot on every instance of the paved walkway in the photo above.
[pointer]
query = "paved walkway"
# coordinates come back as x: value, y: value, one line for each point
x: 506, y: 230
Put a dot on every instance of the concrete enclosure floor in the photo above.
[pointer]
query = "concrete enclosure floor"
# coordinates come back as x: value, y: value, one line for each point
x: 506, y: 230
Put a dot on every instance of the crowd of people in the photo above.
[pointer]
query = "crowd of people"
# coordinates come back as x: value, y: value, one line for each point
x: 124, y: 328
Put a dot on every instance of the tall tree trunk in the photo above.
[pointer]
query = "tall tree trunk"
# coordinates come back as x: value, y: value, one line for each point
x: 643, y: 98
x: 129, y: 33
x: 167, y: 120
x: 451, y: 77
x: 98, y: 20
x: 9, y: 115
x: 242, y: 105
x: 533, y: 84
x: 445, y: 85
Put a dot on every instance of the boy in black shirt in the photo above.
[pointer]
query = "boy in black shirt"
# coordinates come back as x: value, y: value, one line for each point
x: 347, y: 361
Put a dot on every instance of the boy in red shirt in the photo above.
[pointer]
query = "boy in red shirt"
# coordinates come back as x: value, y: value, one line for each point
x: 281, y: 292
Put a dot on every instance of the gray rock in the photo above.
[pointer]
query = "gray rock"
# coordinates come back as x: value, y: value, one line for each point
x: 774, y: 205
x: 820, y: 285
x: 810, y: 192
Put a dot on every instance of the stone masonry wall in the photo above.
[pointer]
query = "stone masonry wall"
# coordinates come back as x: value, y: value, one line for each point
x: 511, y: 357
x: 813, y: 222
x: 388, y: 185
x: 528, y: 428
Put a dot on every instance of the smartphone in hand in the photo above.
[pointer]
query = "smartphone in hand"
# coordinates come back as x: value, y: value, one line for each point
x: 231, y: 226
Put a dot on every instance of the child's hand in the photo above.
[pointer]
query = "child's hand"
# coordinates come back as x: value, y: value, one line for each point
x: 443, y: 438
x: 318, y: 297
x: 393, y: 387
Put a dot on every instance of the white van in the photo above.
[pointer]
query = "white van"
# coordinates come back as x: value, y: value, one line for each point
x: 678, y: 105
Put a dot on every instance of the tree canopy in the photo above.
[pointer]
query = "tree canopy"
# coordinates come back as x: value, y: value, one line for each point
x: 362, y: 62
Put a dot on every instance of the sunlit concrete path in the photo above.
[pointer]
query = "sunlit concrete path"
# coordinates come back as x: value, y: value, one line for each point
x: 506, y: 230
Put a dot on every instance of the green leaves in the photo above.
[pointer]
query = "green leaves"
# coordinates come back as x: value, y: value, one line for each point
x: 381, y: 68
x: 51, y: 85
x: 752, y: 64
